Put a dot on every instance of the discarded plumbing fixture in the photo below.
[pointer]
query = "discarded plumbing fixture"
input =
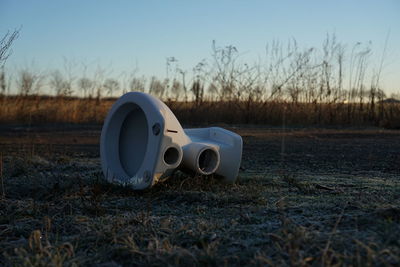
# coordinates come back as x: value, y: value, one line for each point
x: 142, y: 143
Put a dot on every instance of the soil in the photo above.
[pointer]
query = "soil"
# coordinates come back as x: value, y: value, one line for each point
x: 303, y: 197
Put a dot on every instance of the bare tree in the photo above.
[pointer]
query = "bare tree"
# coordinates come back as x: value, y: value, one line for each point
x: 5, y: 45
x: 5, y: 51
x: 29, y: 82
x: 85, y: 85
x: 111, y: 86
x: 61, y: 86
x: 98, y: 79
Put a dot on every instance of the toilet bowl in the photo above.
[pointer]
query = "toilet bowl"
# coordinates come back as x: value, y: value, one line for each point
x: 142, y: 143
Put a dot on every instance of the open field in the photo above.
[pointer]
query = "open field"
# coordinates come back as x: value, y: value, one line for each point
x: 37, y: 109
x: 303, y: 197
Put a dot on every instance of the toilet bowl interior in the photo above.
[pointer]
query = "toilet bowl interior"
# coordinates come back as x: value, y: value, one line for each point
x: 126, y: 140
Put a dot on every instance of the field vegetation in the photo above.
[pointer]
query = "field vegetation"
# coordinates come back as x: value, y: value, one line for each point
x: 333, y: 85
x: 318, y: 183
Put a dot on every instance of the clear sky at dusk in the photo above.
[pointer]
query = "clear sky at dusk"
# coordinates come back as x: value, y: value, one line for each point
x: 122, y: 34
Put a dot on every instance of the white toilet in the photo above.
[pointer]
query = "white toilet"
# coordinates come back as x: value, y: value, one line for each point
x: 142, y: 142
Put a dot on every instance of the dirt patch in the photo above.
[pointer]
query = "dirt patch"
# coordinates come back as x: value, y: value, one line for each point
x: 303, y: 197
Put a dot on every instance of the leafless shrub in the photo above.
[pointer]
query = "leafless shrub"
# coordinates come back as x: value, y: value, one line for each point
x: 60, y: 85
x: 29, y: 82
x: 85, y: 85
x: 111, y: 86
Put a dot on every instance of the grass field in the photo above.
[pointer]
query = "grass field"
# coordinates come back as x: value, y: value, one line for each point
x: 37, y: 109
x: 303, y: 197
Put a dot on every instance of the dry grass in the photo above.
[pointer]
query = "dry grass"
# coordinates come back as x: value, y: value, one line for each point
x: 42, y: 110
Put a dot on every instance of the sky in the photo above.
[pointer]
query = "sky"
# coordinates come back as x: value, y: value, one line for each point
x: 123, y: 36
